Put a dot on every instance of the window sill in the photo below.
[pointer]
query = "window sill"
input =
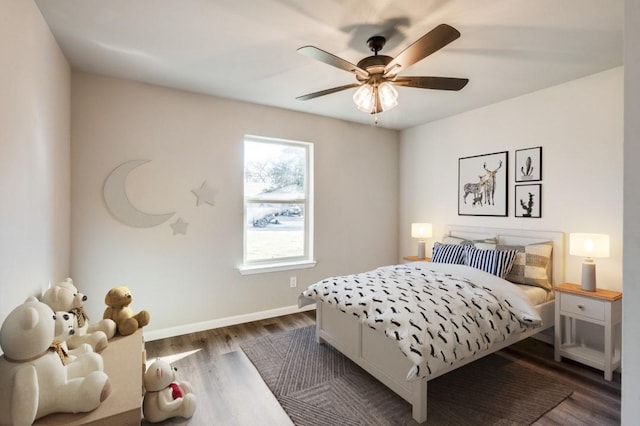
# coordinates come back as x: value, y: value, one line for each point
x: 275, y: 267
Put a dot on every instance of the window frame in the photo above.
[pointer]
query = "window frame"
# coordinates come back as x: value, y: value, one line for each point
x: 282, y: 263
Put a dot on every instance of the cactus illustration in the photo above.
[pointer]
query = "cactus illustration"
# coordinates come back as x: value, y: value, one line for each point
x: 528, y: 207
x: 527, y: 169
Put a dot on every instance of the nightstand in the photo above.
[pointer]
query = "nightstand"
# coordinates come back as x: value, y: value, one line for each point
x: 602, y: 307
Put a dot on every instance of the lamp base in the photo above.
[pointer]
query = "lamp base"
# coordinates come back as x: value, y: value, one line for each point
x: 588, y: 276
x: 421, y: 250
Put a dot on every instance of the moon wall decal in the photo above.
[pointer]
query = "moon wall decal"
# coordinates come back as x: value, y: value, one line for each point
x: 118, y: 203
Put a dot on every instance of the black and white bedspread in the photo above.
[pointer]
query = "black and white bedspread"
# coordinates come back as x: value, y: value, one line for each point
x: 437, y: 313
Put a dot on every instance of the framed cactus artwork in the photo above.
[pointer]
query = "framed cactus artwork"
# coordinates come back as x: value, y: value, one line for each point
x: 528, y: 200
x: 529, y: 164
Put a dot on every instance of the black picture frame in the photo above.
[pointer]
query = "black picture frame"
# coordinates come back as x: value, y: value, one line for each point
x: 529, y: 164
x: 482, y: 184
x: 528, y: 200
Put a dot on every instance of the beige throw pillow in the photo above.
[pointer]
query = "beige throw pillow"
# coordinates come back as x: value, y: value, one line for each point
x: 532, y: 265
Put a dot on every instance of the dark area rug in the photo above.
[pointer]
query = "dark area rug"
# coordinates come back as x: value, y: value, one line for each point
x: 317, y: 385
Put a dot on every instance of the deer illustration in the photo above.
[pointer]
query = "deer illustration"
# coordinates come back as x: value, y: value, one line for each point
x: 490, y: 186
x: 476, y: 189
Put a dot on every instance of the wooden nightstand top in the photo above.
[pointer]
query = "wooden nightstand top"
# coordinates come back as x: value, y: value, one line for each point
x: 417, y: 259
x: 609, y: 295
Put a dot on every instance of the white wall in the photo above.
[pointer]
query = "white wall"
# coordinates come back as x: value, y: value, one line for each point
x: 630, y: 311
x: 34, y: 155
x: 189, y: 138
x: 578, y: 124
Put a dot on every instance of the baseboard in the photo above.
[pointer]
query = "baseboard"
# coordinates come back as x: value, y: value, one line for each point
x: 223, y: 322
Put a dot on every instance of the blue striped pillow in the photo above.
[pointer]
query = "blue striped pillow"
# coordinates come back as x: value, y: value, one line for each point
x: 496, y: 262
x: 447, y: 253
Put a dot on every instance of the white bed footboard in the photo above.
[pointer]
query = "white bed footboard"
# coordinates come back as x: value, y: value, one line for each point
x: 381, y: 357
x: 374, y: 352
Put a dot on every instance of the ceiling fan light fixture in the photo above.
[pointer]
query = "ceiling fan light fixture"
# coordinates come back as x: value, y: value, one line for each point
x: 373, y: 98
x: 364, y: 98
x: 388, y: 96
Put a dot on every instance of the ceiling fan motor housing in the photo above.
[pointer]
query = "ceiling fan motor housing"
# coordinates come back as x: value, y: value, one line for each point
x: 374, y: 65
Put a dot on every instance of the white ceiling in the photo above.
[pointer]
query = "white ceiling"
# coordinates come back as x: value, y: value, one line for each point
x: 246, y: 49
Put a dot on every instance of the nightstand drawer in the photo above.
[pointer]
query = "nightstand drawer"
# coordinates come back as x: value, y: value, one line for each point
x: 584, y: 306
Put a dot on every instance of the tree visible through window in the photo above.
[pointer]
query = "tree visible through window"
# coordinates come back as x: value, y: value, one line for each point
x: 277, y: 177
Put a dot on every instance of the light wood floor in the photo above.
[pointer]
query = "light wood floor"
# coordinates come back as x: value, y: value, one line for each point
x: 230, y: 391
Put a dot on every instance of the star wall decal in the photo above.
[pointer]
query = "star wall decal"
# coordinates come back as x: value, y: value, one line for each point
x: 179, y: 227
x: 205, y: 194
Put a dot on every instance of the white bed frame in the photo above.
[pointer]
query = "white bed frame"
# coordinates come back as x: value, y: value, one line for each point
x: 381, y: 357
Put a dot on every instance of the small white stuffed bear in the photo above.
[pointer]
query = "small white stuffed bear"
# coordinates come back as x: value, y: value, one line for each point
x: 63, y: 331
x: 87, y: 360
x: 34, y: 381
x: 64, y: 296
x: 164, y: 397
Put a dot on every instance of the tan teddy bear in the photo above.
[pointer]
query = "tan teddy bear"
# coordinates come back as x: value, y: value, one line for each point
x: 118, y: 300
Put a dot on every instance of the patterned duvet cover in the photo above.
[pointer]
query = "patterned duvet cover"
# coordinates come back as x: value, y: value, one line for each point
x: 437, y: 313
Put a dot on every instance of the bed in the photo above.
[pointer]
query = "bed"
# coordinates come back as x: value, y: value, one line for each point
x: 385, y: 344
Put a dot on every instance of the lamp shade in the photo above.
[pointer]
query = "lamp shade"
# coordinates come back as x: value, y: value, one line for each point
x: 421, y: 230
x: 589, y: 245
x: 364, y: 98
x: 388, y: 96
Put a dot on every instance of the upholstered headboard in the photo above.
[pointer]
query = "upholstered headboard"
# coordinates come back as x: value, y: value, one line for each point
x: 507, y: 236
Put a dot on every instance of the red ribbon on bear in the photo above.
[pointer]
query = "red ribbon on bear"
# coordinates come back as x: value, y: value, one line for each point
x: 176, y: 392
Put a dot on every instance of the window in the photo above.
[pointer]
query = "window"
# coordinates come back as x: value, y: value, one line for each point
x: 278, y: 182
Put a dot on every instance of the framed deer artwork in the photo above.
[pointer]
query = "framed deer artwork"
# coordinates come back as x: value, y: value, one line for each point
x: 482, y: 185
x: 529, y: 164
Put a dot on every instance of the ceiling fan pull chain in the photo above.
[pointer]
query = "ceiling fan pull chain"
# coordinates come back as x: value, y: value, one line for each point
x: 376, y: 101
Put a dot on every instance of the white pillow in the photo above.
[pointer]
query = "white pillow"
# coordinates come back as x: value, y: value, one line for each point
x: 483, y: 243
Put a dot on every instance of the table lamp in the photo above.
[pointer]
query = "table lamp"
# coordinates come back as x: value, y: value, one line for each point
x: 589, y: 246
x: 421, y: 231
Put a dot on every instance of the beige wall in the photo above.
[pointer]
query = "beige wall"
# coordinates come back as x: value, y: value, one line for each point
x: 193, y: 279
x: 34, y: 155
x: 578, y: 124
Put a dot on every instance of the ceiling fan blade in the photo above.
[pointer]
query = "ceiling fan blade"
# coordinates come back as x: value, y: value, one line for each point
x: 431, y: 42
x: 438, y: 83
x: 327, y: 92
x: 331, y: 59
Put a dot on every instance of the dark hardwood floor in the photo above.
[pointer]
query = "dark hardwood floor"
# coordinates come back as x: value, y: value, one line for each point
x: 594, y: 401
x: 230, y: 391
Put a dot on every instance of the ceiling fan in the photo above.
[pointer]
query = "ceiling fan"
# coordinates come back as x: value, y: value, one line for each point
x: 378, y: 74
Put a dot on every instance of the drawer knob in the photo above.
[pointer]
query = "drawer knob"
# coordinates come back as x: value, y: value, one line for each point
x: 581, y: 307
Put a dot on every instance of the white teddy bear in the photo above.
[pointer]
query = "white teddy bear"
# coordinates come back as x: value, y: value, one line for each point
x: 64, y: 330
x: 64, y: 296
x: 164, y: 397
x: 33, y: 380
